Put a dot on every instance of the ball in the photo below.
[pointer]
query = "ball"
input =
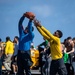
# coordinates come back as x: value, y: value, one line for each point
x: 30, y: 15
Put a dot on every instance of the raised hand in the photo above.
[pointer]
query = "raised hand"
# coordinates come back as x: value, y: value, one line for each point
x: 37, y: 23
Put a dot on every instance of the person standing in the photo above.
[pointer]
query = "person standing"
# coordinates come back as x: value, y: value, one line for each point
x: 44, y: 50
x: 1, y: 55
x: 69, y: 49
x: 26, y: 37
x: 57, y: 63
x: 14, y: 58
x: 9, y: 50
x: 74, y: 54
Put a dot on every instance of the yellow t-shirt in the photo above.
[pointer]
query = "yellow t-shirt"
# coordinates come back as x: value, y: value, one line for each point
x: 9, y: 49
x: 55, y: 44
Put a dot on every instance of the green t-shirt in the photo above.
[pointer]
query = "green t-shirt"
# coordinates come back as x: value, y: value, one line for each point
x: 65, y: 57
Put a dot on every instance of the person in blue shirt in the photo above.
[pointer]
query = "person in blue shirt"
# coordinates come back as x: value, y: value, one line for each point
x: 26, y: 37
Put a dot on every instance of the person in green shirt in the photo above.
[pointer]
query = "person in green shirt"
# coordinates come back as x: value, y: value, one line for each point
x: 43, y: 52
x: 44, y: 45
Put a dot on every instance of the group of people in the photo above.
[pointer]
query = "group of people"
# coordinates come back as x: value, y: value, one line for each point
x: 8, y: 53
x: 23, y: 45
x: 25, y: 39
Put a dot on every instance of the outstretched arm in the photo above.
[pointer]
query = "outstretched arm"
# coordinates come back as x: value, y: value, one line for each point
x: 30, y: 29
x: 20, y: 26
x: 38, y: 26
x: 44, y: 32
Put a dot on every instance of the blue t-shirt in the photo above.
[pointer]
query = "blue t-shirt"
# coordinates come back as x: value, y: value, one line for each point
x: 25, y: 39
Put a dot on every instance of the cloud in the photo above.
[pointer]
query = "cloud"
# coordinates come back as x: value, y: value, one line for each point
x: 42, y: 10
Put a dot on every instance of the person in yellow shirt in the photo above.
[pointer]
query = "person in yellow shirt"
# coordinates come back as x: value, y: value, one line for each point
x: 57, y: 63
x: 9, y: 49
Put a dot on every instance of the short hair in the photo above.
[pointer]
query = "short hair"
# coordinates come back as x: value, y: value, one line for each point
x: 7, y: 38
x: 17, y: 37
x: 32, y: 28
x: 69, y: 37
x: 60, y: 33
x: 74, y: 38
x: 0, y: 39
